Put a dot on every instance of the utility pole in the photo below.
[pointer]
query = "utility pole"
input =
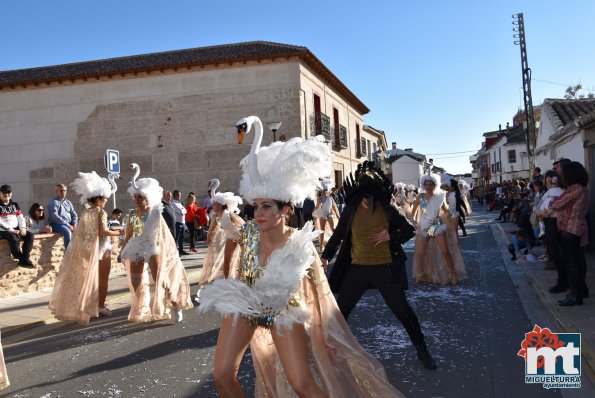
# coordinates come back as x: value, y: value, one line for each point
x: 519, y: 36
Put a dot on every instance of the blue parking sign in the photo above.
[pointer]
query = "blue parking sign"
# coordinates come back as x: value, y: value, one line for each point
x: 112, y: 161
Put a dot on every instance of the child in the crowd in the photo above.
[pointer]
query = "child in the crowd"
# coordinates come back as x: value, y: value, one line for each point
x: 519, y: 243
x: 115, y: 222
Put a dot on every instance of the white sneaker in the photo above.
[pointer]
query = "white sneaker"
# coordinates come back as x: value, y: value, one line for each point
x: 197, y: 298
x: 105, y: 312
x: 178, y: 316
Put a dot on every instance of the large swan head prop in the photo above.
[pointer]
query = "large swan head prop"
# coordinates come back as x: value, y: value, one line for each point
x: 288, y: 171
x: 146, y: 187
x: 213, y: 185
x: 90, y: 185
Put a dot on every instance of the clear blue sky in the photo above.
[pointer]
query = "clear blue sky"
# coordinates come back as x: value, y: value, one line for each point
x: 435, y: 74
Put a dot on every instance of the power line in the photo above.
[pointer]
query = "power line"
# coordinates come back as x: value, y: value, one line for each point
x: 545, y: 81
x: 451, y: 153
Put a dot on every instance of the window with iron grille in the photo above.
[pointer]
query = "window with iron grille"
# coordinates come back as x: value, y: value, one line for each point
x: 320, y: 124
x: 511, y: 156
x: 343, y: 136
x: 363, y: 147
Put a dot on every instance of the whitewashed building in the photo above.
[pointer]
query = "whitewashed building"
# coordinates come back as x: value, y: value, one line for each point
x: 406, y: 166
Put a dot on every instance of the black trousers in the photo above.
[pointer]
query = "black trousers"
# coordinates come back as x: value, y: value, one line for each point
x: 359, y: 278
x: 462, y: 225
x: 13, y: 242
x: 191, y: 232
x: 553, y: 249
x: 575, y: 262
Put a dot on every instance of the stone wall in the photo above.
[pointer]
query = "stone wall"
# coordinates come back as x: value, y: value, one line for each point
x: 47, y: 254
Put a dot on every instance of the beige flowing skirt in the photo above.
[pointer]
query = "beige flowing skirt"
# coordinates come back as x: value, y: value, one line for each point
x: 338, y: 362
x: 155, y: 299
x: 4, y: 382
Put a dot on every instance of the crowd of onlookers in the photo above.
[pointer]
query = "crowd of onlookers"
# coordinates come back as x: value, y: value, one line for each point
x: 188, y: 220
x: 550, y: 209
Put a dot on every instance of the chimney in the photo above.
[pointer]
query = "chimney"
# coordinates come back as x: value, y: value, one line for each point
x: 499, y: 127
x: 394, y: 145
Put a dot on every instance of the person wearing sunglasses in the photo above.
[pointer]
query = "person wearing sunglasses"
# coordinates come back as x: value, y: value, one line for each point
x: 13, y: 228
x: 35, y: 220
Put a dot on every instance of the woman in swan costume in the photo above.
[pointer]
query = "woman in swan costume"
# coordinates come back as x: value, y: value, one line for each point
x: 437, y: 256
x: 81, y: 286
x: 148, y: 241
x: 280, y: 302
x: 225, y: 225
x: 326, y: 213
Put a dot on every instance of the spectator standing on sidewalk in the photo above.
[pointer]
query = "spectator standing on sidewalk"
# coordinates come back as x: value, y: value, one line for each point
x: 180, y: 214
x: 61, y: 214
x: 14, y: 229
x: 190, y: 218
x: 550, y: 230
x: 571, y: 208
x: 168, y: 212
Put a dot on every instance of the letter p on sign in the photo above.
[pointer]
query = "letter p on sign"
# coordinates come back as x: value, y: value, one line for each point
x: 112, y: 161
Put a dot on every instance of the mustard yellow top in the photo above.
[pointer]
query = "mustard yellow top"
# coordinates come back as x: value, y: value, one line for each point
x: 364, y: 225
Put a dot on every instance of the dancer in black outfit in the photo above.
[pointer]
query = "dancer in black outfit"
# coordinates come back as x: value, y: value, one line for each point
x: 372, y: 232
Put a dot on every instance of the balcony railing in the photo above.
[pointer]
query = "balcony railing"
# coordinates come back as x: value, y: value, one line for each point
x: 320, y: 124
x: 343, y: 136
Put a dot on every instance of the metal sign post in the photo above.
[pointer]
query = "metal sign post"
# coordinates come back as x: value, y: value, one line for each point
x: 112, y: 164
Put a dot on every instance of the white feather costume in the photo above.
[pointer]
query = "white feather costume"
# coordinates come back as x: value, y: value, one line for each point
x: 75, y: 295
x: 292, y: 287
x: 269, y: 298
x: 149, y: 236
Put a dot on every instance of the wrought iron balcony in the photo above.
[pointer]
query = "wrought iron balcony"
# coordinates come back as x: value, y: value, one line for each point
x: 320, y: 124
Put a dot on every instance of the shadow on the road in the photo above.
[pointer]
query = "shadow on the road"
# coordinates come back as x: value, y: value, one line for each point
x: 153, y: 352
x: 73, y: 335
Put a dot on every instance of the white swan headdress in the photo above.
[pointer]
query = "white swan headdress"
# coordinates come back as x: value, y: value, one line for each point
x: 285, y: 171
x: 90, y: 185
x: 435, y: 178
x: 147, y: 187
x: 230, y: 199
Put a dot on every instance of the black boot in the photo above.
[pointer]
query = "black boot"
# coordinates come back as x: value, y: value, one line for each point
x: 424, y: 356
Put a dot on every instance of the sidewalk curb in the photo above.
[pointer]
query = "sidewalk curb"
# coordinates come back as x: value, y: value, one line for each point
x: 50, y: 320
x: 563, y: 322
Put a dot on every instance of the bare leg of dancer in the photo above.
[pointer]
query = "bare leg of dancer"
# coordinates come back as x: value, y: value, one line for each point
x: 232, y: 342
x: 105, y: 265
x: 421, y: 243
x: 292, y: 347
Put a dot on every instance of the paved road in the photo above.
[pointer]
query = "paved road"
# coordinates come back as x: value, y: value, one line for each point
x: 473, y: 329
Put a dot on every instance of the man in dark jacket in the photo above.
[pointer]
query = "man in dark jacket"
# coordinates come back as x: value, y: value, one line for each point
x: 168, y: 212
x: 372, y: 232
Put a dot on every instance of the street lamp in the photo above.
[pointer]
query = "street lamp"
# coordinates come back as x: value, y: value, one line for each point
x: 274, y: 126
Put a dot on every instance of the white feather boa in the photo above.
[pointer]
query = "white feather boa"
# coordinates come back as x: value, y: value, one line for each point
x: 271, y: 292
x: 431, y: 215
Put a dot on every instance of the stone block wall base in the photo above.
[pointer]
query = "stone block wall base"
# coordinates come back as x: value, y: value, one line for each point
x: 47, y: 255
